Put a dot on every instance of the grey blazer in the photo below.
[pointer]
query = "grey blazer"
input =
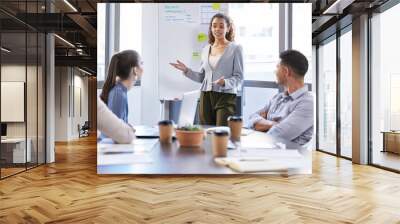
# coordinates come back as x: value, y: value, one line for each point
x: 230, y: 65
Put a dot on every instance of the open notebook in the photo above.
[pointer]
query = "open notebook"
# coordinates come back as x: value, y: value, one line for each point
x: 251, y: 166
x: 273, y: 160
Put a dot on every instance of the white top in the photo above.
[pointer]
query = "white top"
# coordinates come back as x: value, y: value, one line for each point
x: 212, y: 60
x: 113, y: 127
x: 229, y: 66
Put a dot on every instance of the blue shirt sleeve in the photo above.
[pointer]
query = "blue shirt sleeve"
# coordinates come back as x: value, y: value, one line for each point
x: 117, y: 103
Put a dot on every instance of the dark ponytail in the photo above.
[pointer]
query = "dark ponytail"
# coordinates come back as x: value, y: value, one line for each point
x: 121, y: 65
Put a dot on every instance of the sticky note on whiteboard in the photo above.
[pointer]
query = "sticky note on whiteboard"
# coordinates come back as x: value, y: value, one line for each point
x: 216, y: 6
x: 201, y: 37
x: 196, y: 55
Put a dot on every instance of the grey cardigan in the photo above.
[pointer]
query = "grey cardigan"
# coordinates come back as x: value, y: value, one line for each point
x: 230, y: 65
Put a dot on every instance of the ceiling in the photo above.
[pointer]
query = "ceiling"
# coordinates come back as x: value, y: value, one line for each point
x: 331, y: 15
x: 76, y: 23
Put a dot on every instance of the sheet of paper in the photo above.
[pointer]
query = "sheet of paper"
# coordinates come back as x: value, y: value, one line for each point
x: 123, y: 158
x: 249, y: 143
x: 117, y: 154
x: 137, y: 146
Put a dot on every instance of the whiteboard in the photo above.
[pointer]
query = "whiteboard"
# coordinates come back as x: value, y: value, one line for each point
x: 182, y: 34
x: 12, y: 101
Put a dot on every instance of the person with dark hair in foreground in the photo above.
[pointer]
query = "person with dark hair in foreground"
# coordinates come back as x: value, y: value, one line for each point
x: 289, y: 114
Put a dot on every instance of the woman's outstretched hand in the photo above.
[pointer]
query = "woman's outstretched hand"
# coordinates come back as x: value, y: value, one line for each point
x: 180, y: 66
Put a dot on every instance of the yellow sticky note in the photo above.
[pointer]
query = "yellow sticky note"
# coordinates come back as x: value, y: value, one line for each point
x: 201, y: 37
x: 196, y: 55
x: 216, y: 6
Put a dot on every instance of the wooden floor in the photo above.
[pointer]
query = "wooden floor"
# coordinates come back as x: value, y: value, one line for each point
x: 387, y: 159
x: 10, y: 171
x: 70, y: 191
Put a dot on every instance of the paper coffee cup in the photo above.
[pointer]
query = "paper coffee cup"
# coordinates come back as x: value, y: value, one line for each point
x: 235, y: 124
x: 220, y: 143
x: 166, y: 131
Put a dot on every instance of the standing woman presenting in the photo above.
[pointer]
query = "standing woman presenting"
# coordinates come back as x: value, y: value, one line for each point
x: 221, y: 72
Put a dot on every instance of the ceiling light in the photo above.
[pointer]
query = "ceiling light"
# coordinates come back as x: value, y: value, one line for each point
x: 86, y: 72
x: 70, y: 5
x: 64, y: 40
x: 5, y: 50
x: 338, y: 6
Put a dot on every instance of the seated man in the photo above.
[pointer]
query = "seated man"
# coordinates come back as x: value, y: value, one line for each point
x: 289, y: 114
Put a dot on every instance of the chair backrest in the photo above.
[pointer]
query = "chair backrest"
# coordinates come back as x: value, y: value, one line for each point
x: 86, y: 125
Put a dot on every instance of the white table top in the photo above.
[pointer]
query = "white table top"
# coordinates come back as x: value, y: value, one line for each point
x: 148, y: 156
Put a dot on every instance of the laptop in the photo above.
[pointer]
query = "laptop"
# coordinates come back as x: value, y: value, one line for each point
x: 143, y: 131
x: 187, y: 114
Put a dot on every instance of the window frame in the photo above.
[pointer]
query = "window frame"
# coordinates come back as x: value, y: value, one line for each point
x: 333, y: 37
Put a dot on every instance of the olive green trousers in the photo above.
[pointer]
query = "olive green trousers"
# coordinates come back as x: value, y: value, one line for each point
x: 215, y: 108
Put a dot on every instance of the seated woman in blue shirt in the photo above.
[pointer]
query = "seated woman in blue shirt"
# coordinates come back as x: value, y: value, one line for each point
x: 125, y: 68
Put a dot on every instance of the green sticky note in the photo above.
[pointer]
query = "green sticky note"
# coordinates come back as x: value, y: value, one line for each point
x: 201, y: 37
x: 196, y: 55
x: 216, y: 6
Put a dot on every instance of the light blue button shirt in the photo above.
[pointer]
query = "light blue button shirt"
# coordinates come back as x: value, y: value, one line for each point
x: 294, y: 114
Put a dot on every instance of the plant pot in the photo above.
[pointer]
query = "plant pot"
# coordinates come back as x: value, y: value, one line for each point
x: 189, y: 138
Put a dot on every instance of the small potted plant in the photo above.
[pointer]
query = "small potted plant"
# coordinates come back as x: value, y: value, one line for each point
x: 190, y: 135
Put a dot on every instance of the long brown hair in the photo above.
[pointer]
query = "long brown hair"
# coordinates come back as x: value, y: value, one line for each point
x: 120, y: 66
x: 230, y: 35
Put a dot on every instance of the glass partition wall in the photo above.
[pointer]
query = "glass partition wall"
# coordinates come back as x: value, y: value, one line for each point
x: 327, y: 93
x: 22, y: 77
x: 385, y: 89
x: 334, y: 108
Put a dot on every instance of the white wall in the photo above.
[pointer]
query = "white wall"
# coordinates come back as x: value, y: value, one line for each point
x: 67, y: 114
x: 80, y: 83
x: 150, y: 99
x: 61, y: 103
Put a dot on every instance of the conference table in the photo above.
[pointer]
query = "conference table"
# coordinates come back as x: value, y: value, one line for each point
x: 149, y: 156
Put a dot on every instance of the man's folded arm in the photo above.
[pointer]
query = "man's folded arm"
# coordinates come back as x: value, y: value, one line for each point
x: 301, y: 119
